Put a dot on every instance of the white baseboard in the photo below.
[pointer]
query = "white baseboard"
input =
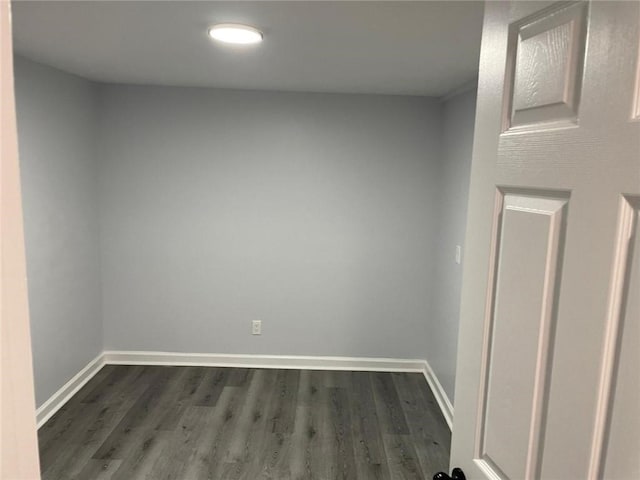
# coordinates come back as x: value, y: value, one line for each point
x: 58, y: 399
x: 264, y: 361
x: 441, y: 396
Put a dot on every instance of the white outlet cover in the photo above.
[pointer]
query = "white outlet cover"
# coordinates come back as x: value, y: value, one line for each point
x: 458, y: 254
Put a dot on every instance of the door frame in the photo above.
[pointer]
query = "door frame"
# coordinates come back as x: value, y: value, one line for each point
x: 18, y: 434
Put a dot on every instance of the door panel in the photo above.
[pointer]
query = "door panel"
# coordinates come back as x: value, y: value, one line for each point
x: 549, y: 333
x: 619, y: 409
x: 527, y: 273
x: 545, y: 63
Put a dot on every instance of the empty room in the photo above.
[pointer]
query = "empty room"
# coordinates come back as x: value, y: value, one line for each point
x: 320, y: 240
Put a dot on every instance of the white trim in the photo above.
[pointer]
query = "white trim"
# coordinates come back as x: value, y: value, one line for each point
x: 264, y: 361
x: 441, y: 396
x: 297, y: 362
x: 45, y: 411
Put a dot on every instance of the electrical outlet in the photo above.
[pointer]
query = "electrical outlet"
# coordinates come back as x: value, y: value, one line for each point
x: 256, y: 327
x: 458, y: 254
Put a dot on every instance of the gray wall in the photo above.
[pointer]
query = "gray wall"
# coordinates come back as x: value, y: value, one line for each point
x: 313, y: 213
x: 458, y: 117
x: 56, y: 132
x: 332, y: 218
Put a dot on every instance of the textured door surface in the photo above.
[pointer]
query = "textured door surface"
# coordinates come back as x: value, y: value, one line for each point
x: 548, y: 382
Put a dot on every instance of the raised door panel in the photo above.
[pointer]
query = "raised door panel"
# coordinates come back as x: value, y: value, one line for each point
x: 546, y: 56
x: 529, y: 244
x: 620, y: 409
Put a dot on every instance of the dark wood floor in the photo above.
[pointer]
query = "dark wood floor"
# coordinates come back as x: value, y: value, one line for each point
x: 190, y: 423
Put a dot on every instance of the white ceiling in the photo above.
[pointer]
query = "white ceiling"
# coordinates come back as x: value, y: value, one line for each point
x: 416, y: 48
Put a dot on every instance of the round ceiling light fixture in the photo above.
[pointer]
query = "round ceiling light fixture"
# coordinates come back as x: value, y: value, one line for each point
x: 235, y: 33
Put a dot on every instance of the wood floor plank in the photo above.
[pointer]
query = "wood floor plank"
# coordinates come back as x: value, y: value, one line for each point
x: 117, y: 379
x: 211, y: 387
x: 138, y: 462
x: 99, y: 382
x: 84, y: 424
x: 310, y: 453
x: 252, y: 422
x: 231, y: 471
x: 111, y: 381
x: 201, y: 423
x: 178, y: 446
x: 389, y: 409
x: 62, y: 432
x: 205, y: 457
x: 275, y: 459
x: 177, y: 398
x: 344, y: 466
x: 402, y: 458
x: 299, y: 467
x: 286, y: 393
x: 70, y: 461
x: 239, y: 377
x: 250, y: 440
x: 337, y: 379
x: 97, y: 470
x: 135, y: 423
x: 434, y: 415
x: 430, y: 434
x: 272, y: 442
x: 371, y: 460
x: 322, y: 453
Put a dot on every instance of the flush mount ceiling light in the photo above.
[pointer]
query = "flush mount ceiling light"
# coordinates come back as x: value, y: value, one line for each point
x: 235, y: 33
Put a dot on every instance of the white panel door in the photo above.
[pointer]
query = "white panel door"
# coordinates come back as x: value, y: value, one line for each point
x: 548, y: 382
